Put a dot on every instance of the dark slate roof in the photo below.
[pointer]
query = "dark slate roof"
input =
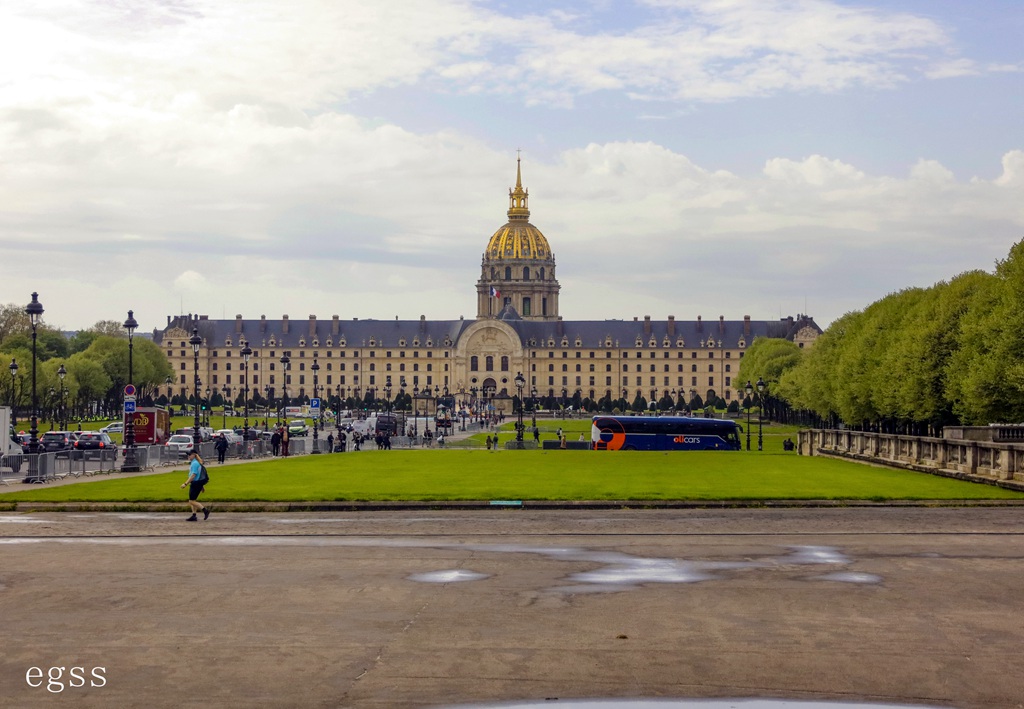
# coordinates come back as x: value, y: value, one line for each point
x: 589, y: 333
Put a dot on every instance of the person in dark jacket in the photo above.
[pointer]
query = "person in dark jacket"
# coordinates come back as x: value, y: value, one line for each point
x: 275, y: 442
x: 222, y: 447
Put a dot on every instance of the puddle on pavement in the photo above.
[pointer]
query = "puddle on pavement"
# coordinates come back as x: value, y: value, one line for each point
x: 616, y: 571
x: 555, y: 703
x: 448, y: 576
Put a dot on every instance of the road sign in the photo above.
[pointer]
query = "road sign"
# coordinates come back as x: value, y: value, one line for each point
x: 314, y: 403
x: 129, y: 390
x: 129, y: 406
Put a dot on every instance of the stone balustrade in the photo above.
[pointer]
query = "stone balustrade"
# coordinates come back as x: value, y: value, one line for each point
x: 995, y: 462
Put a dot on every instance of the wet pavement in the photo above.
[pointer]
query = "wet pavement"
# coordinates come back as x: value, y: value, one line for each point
x: 429, y: 609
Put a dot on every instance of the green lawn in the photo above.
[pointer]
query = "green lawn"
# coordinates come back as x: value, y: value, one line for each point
x: 476, y: 474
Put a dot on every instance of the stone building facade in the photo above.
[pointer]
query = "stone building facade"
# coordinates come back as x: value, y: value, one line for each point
x: 518, y: 328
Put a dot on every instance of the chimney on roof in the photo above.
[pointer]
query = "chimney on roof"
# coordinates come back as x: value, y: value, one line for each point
x: 647, y: 324
x: 721, y: 324
x: 263, y: 324
x: 284, y: 324
x: 560, y: 329
x: 746, y: 326
x: 238, y: 324
x: 423, y: 324
x: 700, y: 324
x: 671, y: 325
x: 312, y: 325
x: 335, y: 325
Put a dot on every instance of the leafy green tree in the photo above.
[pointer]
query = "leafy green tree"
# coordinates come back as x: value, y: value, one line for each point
x: 767, y: 358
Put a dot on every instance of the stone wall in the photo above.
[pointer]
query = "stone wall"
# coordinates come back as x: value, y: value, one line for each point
x: 996, y: 463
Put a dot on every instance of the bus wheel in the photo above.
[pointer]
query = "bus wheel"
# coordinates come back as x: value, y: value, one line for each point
x: 629, y: 448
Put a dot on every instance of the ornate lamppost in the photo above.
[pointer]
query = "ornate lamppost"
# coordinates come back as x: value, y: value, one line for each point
x: 533, y: 396
x: 224, y: 410
x: 415, y: 410
x: 520, y: 383
x: 749, y: 389
x: 131, y: 463
x: 196, y: 341
x: 34, y: 310
x: 387, y: 395
x: 13, y: 366
x: 62, y: 372
x: 246, y: 354
x: 206, y: 408
x: 760, y: 406
x: 316, y: 419
x: 285, y: 363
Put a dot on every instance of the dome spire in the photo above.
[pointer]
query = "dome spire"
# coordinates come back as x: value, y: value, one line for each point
x: 518, y: 199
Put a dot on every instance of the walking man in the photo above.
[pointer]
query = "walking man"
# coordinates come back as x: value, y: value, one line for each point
x: 195, y: 486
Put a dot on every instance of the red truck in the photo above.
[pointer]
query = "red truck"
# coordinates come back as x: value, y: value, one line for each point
x: 152, y: 425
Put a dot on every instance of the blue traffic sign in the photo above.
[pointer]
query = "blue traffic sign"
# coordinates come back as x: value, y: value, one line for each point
x: 129, y: 407
x: 314, y: 403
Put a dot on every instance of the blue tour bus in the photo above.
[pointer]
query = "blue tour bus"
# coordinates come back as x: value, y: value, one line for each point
x: 663, y: 433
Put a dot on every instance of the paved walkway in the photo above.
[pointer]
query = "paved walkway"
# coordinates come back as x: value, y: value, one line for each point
x: 427, y: 609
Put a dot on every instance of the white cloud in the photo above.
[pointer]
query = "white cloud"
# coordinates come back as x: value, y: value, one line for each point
x: 215, y: 150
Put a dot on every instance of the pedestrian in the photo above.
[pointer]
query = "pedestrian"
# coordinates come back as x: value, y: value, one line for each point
x: 562, y: 444
x: 275, y: 442
x: 221, y: 447
x: 536, y: 435
x: 330, y: 442
x: 559, y: 433
x: 196, y: 471
x: 284, y: 441
x: 440, y: 440
x: 342, y: 441
x: 489, y: 441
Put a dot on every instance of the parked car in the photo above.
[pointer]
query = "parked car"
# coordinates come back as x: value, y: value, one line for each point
x: 181, y: 444
x: 95, y: 444
x: 59, y: 442
x: 24, y: 439
x: 116, y: 427
x: 298, y: 427
x: 229, y: 435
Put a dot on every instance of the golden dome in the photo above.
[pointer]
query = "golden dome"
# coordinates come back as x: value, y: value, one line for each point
x: 518, y: 239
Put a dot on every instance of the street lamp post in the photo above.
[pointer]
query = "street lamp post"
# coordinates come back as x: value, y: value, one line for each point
x: 749, y: 389
x: 316, y: 418
x: 285, y: 362
x: 196, y: 341
x: 533, y: 412
x: 13, y: 366
x: 415, y: 410
x: 206, y: 408
x: 760, y: 405
x: 520, y: 383
x: 246, y: 354
x: 35, y: 314
x: 62, y: 372
x: 131, y: 463
x: 224, y: 411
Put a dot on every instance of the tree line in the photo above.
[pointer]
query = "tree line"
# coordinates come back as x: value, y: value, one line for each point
x: 914, y: 361
x: 95, y: 361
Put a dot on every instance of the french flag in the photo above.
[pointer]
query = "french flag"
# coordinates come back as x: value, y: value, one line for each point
x: 495, y: 293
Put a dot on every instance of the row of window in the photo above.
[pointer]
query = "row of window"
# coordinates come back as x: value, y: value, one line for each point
x: 709, y: 381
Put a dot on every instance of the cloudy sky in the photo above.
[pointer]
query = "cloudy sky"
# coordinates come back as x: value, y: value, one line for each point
x: 334, y: 157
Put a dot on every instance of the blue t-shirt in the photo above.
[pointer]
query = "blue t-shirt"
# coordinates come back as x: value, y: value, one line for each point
x: 195, y: 469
